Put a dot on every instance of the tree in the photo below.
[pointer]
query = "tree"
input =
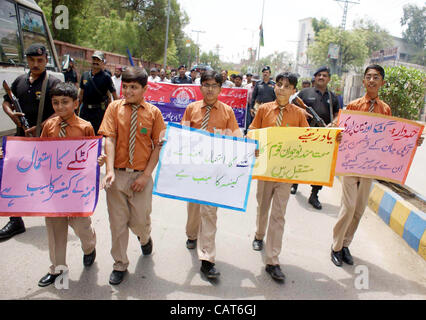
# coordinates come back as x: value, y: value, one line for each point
x: 376, y: 37
x: 404, y: 91
x: 211, y: 59
x: 278, y: 61
x: 353, y: 47
x: 112, y: 25
x: 319, y: 25
x: 414, y: 18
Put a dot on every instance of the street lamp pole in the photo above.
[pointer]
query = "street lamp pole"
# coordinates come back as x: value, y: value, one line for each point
x: 198, y: 44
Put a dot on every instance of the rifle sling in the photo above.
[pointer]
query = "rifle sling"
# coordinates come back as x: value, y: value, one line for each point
x: 41, y: 105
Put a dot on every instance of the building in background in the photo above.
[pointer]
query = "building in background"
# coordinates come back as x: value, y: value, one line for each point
x: 306, y: 36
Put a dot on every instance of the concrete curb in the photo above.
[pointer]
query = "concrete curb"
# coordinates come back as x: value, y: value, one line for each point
x: 404, y: 218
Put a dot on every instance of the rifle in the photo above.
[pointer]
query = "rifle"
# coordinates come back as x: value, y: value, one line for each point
x: 16, y: 105
x: 318, y: 120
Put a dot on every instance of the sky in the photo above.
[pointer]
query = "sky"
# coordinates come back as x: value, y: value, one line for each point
x: 233, y: 25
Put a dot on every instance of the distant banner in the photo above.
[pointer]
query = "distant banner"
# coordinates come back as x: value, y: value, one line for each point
x: 376, y: 146
x: 49, y: 177
x: 172, y: 99
x: 296, y: 155
x: 206, y: 168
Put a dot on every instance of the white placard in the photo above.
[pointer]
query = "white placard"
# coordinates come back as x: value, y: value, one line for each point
x: 202, y: 167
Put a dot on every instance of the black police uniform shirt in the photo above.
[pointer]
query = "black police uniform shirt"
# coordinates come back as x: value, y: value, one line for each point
x: 263, y: 92
x: 29, y: 94
x: 312, y: 97
x: 70, y: 76
x: 184, y: 80
x: 103, y: 83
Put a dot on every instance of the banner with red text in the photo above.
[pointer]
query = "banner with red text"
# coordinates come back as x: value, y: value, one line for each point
x: 172, y: 99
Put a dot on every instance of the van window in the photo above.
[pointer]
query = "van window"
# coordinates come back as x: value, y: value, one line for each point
x: 33, y: 31
x: 10, y: 45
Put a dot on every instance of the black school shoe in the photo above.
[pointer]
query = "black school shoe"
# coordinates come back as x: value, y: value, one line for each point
x: 47, y: 280
x: 346, y: 256
x: 336, y: 257
x: 146, y: 248
x: 88, y: 259
x: 313, y: 200
x: 275, y: 272
x: 208, y: 269
x: 257, y: 245
x: 116, y: 277
x: 191, y: 244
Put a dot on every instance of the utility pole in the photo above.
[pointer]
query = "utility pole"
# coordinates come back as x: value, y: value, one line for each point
x: 167, y: 37
x: 342, y: 27
x: 198, y: 44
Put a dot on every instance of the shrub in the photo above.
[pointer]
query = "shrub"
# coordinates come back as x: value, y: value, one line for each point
x: 404, y: 91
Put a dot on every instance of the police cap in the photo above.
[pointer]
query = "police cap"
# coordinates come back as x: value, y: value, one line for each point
x: 36, y: 49
x: 321, y: 69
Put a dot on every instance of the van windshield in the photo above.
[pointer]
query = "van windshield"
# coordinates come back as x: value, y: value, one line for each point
x: 10, y: 44
x: 18, y: 33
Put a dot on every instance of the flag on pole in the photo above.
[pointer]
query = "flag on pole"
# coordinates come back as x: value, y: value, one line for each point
x: 130, y: 57
x: 261, y: 36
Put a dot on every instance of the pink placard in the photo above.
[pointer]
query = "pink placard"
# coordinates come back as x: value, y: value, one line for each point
x: 376, y: 146
x: 49, y: 176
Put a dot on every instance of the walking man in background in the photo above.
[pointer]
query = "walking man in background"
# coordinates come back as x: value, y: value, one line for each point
x: 94, y: 87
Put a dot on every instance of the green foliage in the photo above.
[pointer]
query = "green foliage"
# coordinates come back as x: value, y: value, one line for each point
x: 376, y: 37
x: 114, y: 25
x: 319, y: 25
x: 352, y: 47
x: 355, y: 45
x: 211, y: 59
x: 278, y: 61
x: 336, y: 84
x: 404, y: 91
x: 414, y: 18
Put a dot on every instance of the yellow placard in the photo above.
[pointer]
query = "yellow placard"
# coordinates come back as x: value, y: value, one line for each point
x: 296, y: 155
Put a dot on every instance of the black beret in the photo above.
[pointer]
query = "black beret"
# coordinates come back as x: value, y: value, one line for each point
x: 36, y: 49
x: 321, y: 69
x: 266, y: 68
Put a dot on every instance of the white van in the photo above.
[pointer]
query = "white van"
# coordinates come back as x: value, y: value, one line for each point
x: 22, y: 23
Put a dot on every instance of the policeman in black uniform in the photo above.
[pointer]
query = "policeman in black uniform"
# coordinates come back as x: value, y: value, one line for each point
x: 94, y: 87
x: 326, y: 105
x: 182, y: 78
x: 70, y: 74
x: 263, y: 92
x: 28, y: 90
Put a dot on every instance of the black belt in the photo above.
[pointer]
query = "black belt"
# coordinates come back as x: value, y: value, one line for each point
x: 128, y: 170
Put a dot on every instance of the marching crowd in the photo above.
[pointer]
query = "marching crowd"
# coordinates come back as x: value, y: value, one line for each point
x: 115, y: 108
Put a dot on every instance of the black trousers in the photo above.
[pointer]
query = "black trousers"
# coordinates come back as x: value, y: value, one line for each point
x: 94, y: 116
